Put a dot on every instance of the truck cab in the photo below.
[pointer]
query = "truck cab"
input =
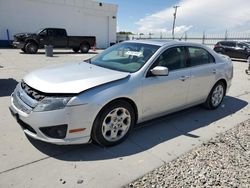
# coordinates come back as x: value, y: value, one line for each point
x: 54, y: 37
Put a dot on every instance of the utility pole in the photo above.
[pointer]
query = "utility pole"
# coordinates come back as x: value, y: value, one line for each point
x: 175, y: 12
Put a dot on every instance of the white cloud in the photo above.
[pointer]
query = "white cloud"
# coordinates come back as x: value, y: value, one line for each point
x: 200, y: 15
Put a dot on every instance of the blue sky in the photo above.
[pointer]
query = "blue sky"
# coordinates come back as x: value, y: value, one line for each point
x: 130, y: 11
x: 194, y: 16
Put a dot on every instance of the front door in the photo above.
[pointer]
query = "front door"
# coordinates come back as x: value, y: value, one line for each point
x: 44, y: 38
x: 162, y: 94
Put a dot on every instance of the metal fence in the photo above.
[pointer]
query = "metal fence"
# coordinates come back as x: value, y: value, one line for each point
x: 204, y: 38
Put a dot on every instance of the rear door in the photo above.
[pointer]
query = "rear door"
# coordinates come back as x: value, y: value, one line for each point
x: 229, y: 48
x: 60, y: 38
x: 203, y: 71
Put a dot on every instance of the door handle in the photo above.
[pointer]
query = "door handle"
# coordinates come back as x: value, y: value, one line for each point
x: 214, y: 71
x: 183, y: 78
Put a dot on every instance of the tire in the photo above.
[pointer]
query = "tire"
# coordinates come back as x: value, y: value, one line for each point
x: 248, y: 59
x: 31, y: 48
x: 76, y: 50
x: 23, y: 49
x: 113, y: 123
x: 84, y: 48
x: 215, y: 96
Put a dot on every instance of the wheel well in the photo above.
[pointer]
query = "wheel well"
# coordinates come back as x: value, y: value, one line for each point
x: 131, y: 102
x: 84, y: 42
x: 224, y: 82
x: 32, y: 41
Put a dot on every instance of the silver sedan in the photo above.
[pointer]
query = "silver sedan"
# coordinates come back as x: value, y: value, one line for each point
x: 102, y: 98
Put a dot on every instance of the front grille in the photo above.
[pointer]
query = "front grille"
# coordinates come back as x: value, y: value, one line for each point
x: 34, y: 94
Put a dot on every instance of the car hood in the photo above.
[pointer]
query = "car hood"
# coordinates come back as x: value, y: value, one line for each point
x: 24, y: 34
x: 71, y: 78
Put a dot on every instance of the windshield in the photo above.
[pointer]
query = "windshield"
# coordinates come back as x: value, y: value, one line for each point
x: 39, y: 30
x: 126, y: 57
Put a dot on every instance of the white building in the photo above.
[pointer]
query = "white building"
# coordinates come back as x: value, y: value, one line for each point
x: 78, y: 17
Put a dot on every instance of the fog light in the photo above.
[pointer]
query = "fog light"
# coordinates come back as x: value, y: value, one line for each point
x: 58, y: 131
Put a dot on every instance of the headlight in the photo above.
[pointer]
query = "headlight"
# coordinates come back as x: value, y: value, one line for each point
x: 52, y: 103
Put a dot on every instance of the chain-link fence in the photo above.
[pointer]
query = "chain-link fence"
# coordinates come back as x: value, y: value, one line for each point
x: 204, y: 38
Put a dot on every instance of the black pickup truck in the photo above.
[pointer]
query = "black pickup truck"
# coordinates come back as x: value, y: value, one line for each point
x: 58, y: 38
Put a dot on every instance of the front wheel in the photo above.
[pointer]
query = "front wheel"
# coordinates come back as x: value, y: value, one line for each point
x: 23, y: 49
x: 215, y: 96
x: 31, y: 48
x: 113, y: 124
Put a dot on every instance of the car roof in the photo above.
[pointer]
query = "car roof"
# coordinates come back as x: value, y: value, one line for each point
x: 162, y: 42
x: 229, y: 41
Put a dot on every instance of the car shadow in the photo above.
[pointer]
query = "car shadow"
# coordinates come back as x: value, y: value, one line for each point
x: 145, y: 135
x: 7, y: 86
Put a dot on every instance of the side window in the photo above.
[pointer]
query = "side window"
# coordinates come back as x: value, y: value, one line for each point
x: 199, y: 56
x: 232, y: 44
x: 173, y: 58
x: 50, y: 32
x: 242, y: 45
x: 223, y: 43
x: 60, y: 33
x: 229, y: 44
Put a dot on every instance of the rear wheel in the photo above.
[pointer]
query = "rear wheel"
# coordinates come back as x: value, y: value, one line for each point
x: 222, y: 51
x: 31, y: 48
x: 215, y: 96
x: 113, y: 124
x: 84, y: 48
x: 76, y: 50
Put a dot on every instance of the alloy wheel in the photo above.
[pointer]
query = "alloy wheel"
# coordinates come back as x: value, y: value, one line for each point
x: 217, y: 95
x: 116, y: 124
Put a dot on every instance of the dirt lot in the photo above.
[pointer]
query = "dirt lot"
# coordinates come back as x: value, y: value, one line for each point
x: 29, y: 163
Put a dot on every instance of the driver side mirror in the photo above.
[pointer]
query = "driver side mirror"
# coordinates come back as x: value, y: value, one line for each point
x: 159, y: 71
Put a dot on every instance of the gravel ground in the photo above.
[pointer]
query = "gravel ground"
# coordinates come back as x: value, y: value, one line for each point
x: 224, y: 161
